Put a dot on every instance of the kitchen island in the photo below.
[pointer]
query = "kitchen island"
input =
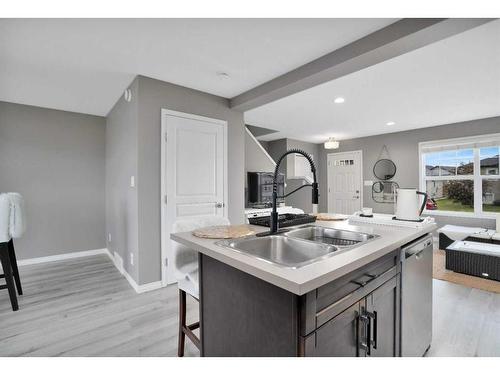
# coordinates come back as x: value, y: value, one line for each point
x: 347, y: 304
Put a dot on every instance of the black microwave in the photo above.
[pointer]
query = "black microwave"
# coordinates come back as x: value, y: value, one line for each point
x: 260, y: 187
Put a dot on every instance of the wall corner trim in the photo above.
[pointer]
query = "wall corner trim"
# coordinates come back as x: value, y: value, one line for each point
x: 143, y: 288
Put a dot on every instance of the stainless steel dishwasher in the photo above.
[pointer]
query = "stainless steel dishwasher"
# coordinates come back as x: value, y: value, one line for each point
x: 416, y: 297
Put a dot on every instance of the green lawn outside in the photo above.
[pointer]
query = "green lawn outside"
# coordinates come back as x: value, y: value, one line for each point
x: 491, y: 208
x: 450, y: 205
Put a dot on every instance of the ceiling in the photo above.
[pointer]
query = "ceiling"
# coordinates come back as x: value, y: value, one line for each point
x: 83, y: 65
x: 456, y: 79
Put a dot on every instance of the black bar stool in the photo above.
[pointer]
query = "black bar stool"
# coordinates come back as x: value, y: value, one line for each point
x: 11, y: 225
x: 10, y: 272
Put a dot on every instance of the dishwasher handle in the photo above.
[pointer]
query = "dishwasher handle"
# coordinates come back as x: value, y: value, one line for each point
x: 418, y: 247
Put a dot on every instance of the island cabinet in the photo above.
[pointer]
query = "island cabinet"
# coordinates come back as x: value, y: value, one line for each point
x: 357, y: 314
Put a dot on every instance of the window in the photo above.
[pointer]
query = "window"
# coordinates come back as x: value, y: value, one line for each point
x: 461, y: 175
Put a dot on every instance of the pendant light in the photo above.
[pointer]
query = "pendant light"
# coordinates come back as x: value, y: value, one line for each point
x: 331, y: 144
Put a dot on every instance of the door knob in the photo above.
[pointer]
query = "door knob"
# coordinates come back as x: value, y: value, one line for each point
x: 219, y: 205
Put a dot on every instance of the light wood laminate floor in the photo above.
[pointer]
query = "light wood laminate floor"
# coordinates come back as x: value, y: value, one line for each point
x: 84, y: 307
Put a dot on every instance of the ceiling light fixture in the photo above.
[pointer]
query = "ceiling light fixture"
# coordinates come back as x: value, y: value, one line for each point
x: 390, y: 123
x: 339, y: 100
x: 331, y: 144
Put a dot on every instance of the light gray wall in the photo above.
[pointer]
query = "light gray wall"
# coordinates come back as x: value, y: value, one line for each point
x: 55, y: 159
x: 276, y: 149
x: 153, y: 96
x: 256, y: 159
x: 265, y: 145
x: 403, y: 149
x: 302, y: 198
x: 121, y: 163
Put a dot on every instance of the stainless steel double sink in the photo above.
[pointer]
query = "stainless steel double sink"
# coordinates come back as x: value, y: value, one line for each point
x: 300, y: 246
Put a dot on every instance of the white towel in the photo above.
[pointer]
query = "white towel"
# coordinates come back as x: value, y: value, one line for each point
x: 17, y: 225
x: 4, y: 217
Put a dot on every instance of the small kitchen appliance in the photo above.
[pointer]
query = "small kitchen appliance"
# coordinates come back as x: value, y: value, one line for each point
x: 407, y: 205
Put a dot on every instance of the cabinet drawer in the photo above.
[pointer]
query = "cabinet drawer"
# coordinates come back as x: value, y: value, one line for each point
x: 338, y: 289
x: 366, y: 327
x: 322, y: 304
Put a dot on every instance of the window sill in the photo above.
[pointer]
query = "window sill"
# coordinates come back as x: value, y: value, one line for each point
x: 459, y: 214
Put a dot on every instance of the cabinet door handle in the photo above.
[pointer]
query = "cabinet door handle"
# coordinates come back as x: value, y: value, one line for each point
x: 372, y: 317
x: 362, y: 334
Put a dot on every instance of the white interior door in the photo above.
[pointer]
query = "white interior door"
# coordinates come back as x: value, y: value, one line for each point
x: 194, y: 173
x: 345, y: 180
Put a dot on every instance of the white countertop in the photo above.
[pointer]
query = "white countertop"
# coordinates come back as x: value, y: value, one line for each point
x: 302, y: 280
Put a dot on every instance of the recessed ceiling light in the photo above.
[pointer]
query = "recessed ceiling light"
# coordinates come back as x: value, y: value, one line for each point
x: 222, y: 75
x: 339, y: 100
x: 390, y: 123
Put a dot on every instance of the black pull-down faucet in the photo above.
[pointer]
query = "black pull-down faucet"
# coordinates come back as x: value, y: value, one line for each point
x: 314, y: 185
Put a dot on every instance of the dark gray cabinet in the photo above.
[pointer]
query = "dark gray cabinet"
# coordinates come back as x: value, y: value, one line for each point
x: 354, y: 315
x: 384, y: 320
x: 370, y: 327
x: 340, y: 337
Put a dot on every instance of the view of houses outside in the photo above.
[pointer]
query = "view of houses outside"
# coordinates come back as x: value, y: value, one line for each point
x: 457, y: 192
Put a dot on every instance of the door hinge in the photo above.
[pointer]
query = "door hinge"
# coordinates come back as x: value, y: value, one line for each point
x: 165, y: 199
x: 166, y: 262
x: 166, y: 137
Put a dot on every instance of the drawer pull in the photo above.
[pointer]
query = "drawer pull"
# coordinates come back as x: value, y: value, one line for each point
x: 372, y: 277
x: 363, y: 283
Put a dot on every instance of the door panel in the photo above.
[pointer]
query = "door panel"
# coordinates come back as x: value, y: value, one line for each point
x: 383, y: 303
x: 194, y: 174
x: 344, y: 182
x: 196, y: 162
x: 339, y: 337
x: 186, y: 210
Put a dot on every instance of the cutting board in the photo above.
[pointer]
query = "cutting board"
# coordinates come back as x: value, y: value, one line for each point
x: 330, y: 217
x: 224, y: 231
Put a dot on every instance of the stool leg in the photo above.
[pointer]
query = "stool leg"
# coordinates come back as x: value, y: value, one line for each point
x: 182, y: 323
x: 15, y: 270
x: 9, y: 279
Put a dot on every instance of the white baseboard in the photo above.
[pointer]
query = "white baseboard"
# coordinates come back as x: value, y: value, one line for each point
x: 115, y: 258
x: 55, y: 258
x: 118, y: 262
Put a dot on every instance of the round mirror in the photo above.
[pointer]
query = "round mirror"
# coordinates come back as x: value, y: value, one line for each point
x: 384, y: 169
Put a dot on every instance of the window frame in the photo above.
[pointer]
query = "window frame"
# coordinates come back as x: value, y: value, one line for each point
x: 475, y: 144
